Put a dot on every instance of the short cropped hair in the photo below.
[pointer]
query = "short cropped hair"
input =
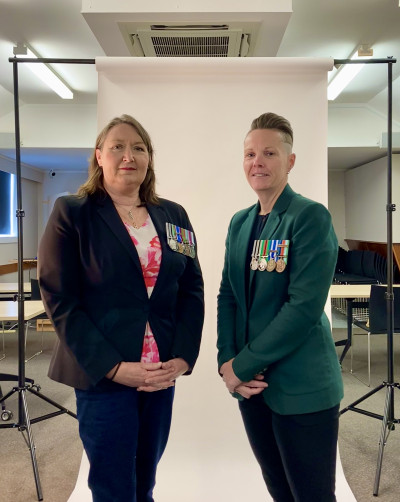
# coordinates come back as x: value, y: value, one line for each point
x: 272, y: 121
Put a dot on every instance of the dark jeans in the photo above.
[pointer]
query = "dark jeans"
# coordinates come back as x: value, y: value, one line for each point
x: 296, y: 453
x: 124, y: 433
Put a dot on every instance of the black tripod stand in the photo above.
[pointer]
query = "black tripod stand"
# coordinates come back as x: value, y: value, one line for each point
x: 23, y: 423
x: 388, y: 419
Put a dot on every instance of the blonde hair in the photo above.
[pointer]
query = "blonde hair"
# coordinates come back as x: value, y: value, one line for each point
x: 95, y: 182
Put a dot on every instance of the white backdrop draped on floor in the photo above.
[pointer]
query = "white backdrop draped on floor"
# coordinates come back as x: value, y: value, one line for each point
x: 197, y: 111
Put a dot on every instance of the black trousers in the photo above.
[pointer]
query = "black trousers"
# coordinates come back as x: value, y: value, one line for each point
x: 296, y: 453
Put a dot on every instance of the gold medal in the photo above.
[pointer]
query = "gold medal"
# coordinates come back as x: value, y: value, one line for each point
x: 262, y: 264
x: 271, y: 264
x: 280, y: 265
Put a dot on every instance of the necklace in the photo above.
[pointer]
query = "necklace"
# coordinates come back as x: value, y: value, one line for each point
x: 130, y: 214
x: 134, y: 224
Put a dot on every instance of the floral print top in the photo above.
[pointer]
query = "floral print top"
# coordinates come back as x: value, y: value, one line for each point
x: 148, y: 247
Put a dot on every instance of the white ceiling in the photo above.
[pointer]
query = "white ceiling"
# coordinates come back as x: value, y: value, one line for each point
x: 58, y: 29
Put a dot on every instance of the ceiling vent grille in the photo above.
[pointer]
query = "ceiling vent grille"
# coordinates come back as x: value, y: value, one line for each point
x: 191, y: 42
x: 184, y: 46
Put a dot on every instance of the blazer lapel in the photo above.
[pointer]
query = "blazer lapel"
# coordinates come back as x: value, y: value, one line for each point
x: 274, y: 220
x: 242, y: 260
x: 110, y: 216
x: 159, y: 219
x: 275, y: 217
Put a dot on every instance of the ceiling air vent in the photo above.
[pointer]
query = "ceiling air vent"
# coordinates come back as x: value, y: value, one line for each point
x: 191, y: 41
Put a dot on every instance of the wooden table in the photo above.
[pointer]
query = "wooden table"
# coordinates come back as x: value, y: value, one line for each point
x: 9, y: 310
x: 12, y: 266
x: 9, y: 289
x: 349, y: 292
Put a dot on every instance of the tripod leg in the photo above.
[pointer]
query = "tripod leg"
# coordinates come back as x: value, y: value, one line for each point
x: 386, y: 424
x: 31, y: 445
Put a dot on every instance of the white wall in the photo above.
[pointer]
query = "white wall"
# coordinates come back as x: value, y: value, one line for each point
x: 366, y: 198
x: 355, y: 125
x: 62, y: 183
x: 9, y: 251
x: 337, y: 204
x: 54, y: 126
x: 38, y: 195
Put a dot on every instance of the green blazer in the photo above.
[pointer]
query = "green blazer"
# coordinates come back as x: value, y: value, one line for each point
x: 279, y: 328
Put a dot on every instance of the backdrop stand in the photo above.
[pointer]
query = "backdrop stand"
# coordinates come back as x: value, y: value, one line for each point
x: 388, y: 419
x: 23, y: 423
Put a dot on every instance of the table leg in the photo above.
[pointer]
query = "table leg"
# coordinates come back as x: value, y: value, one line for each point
x: 347, y: 341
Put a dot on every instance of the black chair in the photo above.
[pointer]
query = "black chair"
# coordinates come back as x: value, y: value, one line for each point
x: 35, y: 295
x: 376, y: 322
x: 351, y: 267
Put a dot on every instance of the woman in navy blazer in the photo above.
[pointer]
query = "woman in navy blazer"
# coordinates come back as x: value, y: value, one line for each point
x: 121, y: 282
x: 275, y: 347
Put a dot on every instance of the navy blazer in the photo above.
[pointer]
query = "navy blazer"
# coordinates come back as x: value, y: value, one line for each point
x: 93, y: 290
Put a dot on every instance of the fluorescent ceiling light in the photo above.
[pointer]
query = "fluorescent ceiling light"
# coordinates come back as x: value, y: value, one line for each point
x: 47, y: 76
x: 345, y: 75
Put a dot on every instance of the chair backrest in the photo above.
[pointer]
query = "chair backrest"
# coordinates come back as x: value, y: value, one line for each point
x: 35, y: 290
x: 353, y: 262
x: 378, y: 309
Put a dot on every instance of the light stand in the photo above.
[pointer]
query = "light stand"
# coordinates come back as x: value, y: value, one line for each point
x: 388, y: 419
x: 23, y: 424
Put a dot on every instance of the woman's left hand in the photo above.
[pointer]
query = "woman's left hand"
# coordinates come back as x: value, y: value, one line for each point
x: 175, y: 368
x: 245, y: 389
x: 229, y: 377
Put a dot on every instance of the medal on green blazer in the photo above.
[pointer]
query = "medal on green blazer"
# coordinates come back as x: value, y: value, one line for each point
x: 255, y: 255
x: 262, y: 261
x: 283, y: 250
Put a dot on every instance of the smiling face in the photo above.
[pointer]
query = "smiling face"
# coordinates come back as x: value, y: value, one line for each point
x: 124, y: 159
x: 267, y: 161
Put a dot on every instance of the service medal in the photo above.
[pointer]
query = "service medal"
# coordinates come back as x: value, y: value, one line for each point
x: 254, y: 264
x: 271, y: 265
x: 280, y: 265
x: 262, y: 264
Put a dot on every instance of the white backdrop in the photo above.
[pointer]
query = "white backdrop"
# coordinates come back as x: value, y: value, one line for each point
x: 197, y: 111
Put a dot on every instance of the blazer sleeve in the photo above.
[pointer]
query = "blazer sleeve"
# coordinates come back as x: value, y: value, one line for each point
x: 189, y: 309
x: 226, y: 312
x: 59, y: 265
x: 313, y: 257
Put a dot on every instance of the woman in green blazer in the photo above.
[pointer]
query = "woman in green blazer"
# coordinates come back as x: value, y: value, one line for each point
x: 275, y: 348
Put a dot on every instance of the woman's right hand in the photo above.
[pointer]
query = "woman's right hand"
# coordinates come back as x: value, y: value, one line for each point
x: 134, y: 375
x: 248, y: 389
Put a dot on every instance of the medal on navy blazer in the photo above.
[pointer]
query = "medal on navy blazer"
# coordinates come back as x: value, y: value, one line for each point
x: 170, y: 237
x: 192, y: 251
x: 180, y: 240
